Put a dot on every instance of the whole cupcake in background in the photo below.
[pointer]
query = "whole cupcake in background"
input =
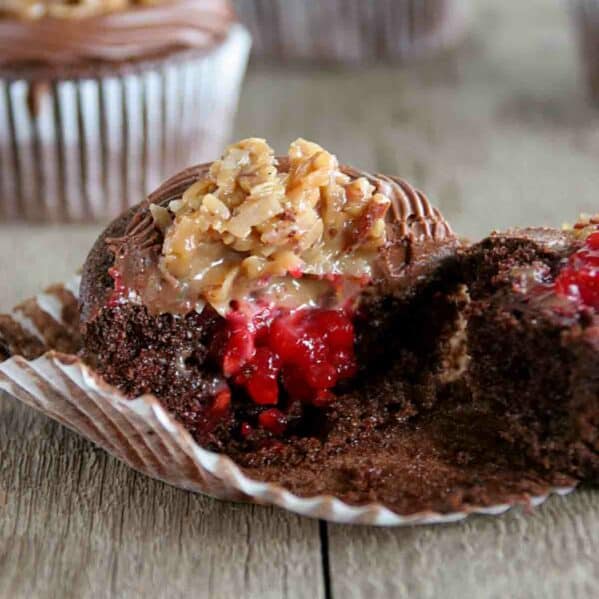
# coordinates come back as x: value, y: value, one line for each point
x: 351, y: 31
x: 101, y: 99
x: 586, y: 16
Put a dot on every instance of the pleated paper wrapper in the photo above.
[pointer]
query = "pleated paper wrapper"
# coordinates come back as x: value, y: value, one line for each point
x: 43, y: 372
x: 85, y: 149
x: 352, y: 31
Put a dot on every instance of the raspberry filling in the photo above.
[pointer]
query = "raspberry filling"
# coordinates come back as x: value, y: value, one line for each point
x: 279, y: 356
x: 579, y: 280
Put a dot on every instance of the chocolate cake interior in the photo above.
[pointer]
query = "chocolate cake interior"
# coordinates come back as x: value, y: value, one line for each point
x: 533, y: 347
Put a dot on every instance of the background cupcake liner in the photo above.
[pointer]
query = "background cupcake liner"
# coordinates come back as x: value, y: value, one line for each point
x: 86, y: 148
x: 140, y: 432
x: 351, y: 31
x: 586, y: 20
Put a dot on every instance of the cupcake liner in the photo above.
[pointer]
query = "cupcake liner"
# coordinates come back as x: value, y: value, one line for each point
x: 86, y: 148
x: 351, y: 31
x: 586, y: 17
x: 141, y: 432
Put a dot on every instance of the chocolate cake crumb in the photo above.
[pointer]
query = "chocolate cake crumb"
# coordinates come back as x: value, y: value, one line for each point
x: 534, y: 361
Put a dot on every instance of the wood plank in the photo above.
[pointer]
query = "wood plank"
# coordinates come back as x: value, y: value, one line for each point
x: 75, y: 522
x: 549, y: 553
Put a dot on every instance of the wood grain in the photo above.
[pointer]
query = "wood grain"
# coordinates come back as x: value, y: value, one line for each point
x: 551, y: 552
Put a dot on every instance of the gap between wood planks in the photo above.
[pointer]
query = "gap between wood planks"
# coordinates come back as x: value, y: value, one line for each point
x: 325, y: 558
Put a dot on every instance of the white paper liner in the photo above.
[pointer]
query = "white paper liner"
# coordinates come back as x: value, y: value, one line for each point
x: 93, y: 146
x: 142, y: 433
x: 352, y: 31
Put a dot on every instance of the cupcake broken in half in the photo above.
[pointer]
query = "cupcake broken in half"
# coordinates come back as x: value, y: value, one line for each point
x: 326, y: 329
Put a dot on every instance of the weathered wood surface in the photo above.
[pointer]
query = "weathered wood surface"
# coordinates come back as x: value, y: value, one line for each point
x: 499, y: 133
x: 551, y: 552
x: 76, y: 523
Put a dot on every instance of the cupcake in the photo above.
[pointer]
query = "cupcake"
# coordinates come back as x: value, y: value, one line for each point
x: 349, y: 31
x: 324, y: 328
x: 586, y: 17
x: 100, y: 99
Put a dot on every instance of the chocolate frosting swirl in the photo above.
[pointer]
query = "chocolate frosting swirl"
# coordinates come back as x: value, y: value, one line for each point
x: 140, y: 33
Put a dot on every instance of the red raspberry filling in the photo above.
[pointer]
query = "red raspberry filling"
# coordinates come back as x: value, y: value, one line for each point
x: 579, y: 279
x: 297, y: 355
x: 273, y: 420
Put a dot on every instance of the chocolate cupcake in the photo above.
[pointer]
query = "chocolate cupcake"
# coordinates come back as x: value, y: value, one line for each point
x: 296, y: 312
x: 325, y: 329
x: 99, y: 101
x: 350, y: 31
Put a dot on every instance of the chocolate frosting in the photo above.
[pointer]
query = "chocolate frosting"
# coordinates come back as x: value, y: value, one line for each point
x: 139, y: 33
x: 418, y: 235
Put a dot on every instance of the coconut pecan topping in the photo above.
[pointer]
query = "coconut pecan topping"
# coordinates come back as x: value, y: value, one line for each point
x: 256, y: 225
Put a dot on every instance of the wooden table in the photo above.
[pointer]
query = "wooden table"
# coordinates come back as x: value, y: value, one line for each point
x: 498, y: 133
